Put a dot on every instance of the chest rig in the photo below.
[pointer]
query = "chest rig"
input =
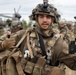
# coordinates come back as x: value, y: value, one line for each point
x: 46, y: 45
x: 41, y: 46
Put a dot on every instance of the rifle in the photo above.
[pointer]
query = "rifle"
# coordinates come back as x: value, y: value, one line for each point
x: 72, y: 47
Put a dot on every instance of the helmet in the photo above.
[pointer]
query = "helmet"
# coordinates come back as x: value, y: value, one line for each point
x: 69, y: 22
x: 62, y: 21
x: 44, y: 8
x: 16, y: 25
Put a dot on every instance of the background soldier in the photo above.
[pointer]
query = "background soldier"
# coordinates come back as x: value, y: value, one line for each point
x: 65, y: 31
x: 7, y: 43
x: 70, y: 26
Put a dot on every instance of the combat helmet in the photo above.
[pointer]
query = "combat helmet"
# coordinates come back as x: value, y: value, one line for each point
x: 62, y: 21
x: 16, y: 25
x: 69, y: 23
x: 45, y: 8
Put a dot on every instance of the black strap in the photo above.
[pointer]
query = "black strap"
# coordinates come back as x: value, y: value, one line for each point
x: 42, y: 46
x: 72, y: 47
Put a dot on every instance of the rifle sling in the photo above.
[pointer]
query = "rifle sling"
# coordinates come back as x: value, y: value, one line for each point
x: 42, y: 46
x: 18, y: 44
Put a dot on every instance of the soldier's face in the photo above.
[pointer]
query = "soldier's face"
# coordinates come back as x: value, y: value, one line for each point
x: 62, y: 24
x: 44, y: 21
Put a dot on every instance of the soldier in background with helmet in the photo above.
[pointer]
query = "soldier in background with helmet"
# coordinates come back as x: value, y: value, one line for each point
x: 66, y: 33
x: 71, y: 30
x: 70, y: 26
x: 14, y: 30
x: 43, y: 49
x: 7, y: 41
x: 13, y: 27
x: 62, y: 25
x: 16, y: 25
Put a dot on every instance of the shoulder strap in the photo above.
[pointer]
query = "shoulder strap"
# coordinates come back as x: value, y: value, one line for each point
x: 18, y: 44
x: 42, y: 46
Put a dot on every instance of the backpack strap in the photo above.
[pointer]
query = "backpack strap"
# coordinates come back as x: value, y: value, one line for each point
x: 28, y: 45
x: 18, y: 44
x: 42, y: 46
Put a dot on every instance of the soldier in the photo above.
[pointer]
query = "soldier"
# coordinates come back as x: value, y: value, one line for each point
x: 70, y: 26
x: 43, y: 49
x: 62, y: 26
x: 66, y: 33
x: 43, y: 43
x: 7, y: 41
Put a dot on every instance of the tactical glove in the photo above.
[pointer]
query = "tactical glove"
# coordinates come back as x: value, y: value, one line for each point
x: 8, y: 43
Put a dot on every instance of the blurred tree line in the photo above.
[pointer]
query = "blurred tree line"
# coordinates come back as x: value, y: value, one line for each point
x: 29, y: 24
x: 26, y: 25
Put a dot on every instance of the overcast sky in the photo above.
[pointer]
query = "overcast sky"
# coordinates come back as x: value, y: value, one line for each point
x: 67, y: 8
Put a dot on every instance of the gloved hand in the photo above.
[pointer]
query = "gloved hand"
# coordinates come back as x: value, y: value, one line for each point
x: 8, y: 43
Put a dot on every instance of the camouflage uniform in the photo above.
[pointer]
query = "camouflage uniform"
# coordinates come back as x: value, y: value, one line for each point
x: 56, y: 49
x: 42, y: 52
x: 66, y: 33
x: 53, y: 45
x: 4, y: 52
x: 68, y: 36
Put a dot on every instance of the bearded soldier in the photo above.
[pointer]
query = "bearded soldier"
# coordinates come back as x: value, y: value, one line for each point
x: 44, y: 43
x: 42, y: 49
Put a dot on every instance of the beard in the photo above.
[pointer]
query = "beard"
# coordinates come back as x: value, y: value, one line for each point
x: 44, y: 25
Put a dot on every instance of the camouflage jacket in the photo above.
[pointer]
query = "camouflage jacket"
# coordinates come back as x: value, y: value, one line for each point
x: 55, y: 47
x: 68, y: 35
x: 14, y: 35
